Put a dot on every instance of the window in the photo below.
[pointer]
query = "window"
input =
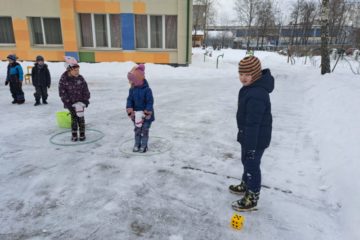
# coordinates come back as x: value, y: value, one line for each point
x: 100, y: 30
x: 46, y: 31
x: 141, y: 31
x: 6, y: 31
x: 171, y: 32
x: 156, y: 31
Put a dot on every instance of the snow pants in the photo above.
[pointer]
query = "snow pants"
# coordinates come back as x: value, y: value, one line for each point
x: 142, y: 134
x: 252, y: 173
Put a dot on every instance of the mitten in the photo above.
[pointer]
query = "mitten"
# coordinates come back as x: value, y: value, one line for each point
x: 147, y: 114
x: 130, y: 113
x: 6, y: 83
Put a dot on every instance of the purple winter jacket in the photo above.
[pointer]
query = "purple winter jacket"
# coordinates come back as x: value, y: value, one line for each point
x: 73, y: 89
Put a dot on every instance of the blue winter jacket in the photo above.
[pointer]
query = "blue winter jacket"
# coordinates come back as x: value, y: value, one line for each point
x: 14, y: 72
x: 253, y: 116
x: 140, y: 98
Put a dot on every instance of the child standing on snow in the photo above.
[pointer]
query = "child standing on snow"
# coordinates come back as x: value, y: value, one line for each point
x: 254, y: 121
x: 139, y: 107
x: 41, y: 80
x: 75, y: 95
x: 14, y: 77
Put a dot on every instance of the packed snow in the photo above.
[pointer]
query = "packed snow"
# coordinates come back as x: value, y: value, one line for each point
x: 179, y: 189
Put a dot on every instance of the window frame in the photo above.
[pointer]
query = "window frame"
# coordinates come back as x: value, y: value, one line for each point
x: 163, y: 25
x: 108, y: 32
x: 45, y: 44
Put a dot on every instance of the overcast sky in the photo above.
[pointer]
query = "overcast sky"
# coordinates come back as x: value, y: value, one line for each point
x: 225, y: 9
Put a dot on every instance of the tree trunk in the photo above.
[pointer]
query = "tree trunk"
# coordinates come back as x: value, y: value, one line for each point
x: 325, y: 58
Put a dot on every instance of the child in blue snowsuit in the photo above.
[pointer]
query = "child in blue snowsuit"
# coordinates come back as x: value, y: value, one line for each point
x: 139, y: 107
x: 14, y: 78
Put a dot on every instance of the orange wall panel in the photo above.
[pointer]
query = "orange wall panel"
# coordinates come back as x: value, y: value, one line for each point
x: 139, y: 7
x: 97, y: 7
x: 132, y: 56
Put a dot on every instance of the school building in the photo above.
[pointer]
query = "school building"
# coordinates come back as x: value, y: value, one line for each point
x: 150, y: 31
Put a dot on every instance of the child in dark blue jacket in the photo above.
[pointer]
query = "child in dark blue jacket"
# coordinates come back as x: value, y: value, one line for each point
x: 139, y: 107
x: 14, y: 78
x: 254, y: 122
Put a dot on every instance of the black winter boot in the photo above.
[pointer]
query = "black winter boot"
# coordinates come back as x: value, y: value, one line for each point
x: 37, y: 103
x: 247, y: 203
x: 44, y: 101
x: 238, y: 189
x: 82, y: 136
x: 14, y: 101
x: 74, y: 136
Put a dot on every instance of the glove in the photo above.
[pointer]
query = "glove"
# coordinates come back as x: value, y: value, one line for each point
x: 6, y: 83
x: 49, y: 87
x: 130, y: 113
x: 147, y: 114
x: 86, y: 103
x: 250, y: 154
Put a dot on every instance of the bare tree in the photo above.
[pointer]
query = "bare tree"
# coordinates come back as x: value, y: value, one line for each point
x: 246, y: 11
x: 308, y: 13
x: 209, y: 13
x: 294, y: 17
x: 338, y: 17
x: 265, y: 20
x: 325, y: 58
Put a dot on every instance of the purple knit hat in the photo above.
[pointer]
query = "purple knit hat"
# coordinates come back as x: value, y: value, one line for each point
x: 137, y: 75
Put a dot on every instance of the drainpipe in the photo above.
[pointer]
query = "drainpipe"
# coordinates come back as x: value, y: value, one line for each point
x: 187, y: 31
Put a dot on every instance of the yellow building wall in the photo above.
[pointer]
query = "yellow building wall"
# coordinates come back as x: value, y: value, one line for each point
x: 67, y: 11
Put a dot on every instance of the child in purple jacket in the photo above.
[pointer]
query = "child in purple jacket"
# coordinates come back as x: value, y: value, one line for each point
x: 75, y: 95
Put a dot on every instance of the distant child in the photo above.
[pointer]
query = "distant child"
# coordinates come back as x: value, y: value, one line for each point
x: 254, y: 121
x: 139, y: 107
x: 14, y: 77
x: 41, y: 80
x: 75, y: 95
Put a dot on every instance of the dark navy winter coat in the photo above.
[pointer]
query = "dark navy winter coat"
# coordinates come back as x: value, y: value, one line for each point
x: 40, y: 75
x: 253, y: 116
x: 140, y: 98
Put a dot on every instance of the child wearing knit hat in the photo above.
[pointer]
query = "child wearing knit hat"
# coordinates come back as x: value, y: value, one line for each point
x: 139, y: 107
x: 14, y: 78
x: 254, y: 121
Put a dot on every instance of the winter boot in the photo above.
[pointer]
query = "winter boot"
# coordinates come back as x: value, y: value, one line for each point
x: 238, y: 189
x: 136, y: 148
x: 20, y: 101
x: 37, y: 103
x: 74, y: 136
x: 247, y: 203
x: 82, y: 136
x: 44, y: 101
x: 14, y: 101
x: 143, y: 149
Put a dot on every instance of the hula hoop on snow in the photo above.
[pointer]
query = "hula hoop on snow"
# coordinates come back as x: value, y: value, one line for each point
x: 157, y: 145
x: 60, y: 139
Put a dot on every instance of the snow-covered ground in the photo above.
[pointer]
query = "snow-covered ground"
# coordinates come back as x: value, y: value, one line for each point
x: 97, y: 191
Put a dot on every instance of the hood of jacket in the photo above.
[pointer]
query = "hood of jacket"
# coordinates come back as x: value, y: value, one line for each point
x: 266, y: 81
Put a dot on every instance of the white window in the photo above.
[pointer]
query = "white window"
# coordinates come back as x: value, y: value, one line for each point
x: 6, y: 31
x: 156, y: 31
x: 100, y: 30
x: 46, y: 31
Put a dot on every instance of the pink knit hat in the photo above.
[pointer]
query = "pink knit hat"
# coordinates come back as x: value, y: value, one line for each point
x: 137, y: 75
